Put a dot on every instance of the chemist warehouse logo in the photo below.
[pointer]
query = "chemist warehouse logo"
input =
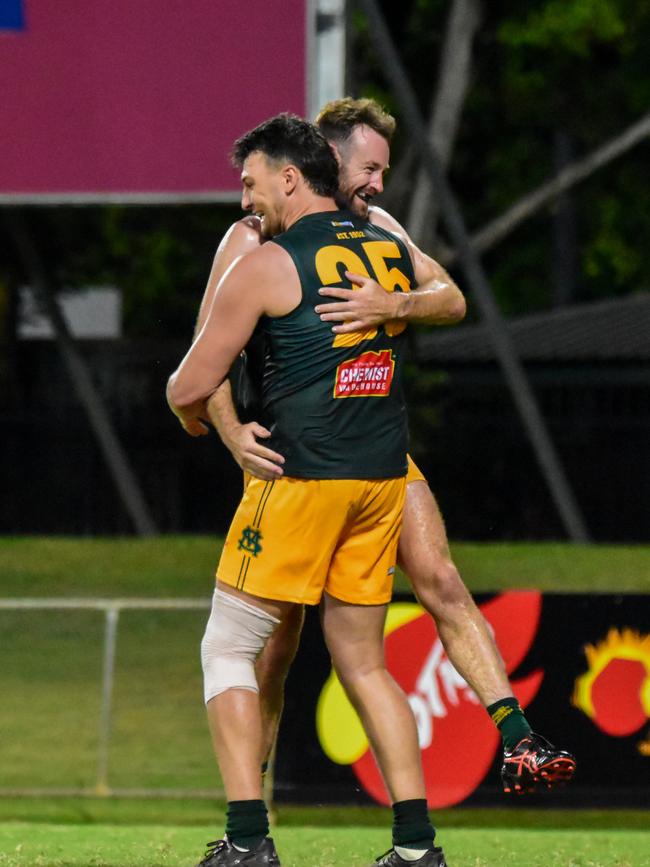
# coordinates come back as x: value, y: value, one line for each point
x: 367, y: 375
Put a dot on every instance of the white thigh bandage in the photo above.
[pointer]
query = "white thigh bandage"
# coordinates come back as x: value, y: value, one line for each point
x: 235, y: 635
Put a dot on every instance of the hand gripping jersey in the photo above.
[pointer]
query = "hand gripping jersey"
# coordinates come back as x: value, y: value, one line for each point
x: 334, y: 403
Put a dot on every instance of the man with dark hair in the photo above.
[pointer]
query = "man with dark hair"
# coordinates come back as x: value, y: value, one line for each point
x: 360, y: 132
x: 326, y: 531
x: 288, y: 137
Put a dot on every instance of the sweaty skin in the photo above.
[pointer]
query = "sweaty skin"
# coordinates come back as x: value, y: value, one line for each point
x: 424, y: 549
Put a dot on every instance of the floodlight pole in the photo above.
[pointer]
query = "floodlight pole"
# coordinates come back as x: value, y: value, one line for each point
x: 472, y: 268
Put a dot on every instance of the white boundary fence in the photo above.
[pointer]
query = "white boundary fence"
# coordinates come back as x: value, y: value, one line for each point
x: 111, y: 609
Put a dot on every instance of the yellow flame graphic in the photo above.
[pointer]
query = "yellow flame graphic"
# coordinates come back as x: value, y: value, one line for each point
x: 626, y: 644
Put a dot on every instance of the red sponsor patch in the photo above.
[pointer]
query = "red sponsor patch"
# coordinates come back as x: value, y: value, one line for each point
x: 368, y: 375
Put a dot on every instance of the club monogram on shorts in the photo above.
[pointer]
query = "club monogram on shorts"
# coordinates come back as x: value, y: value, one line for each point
x: 250, y: 541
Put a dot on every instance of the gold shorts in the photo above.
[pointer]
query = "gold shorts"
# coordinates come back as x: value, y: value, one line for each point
x: 292, y: 539
x: 413, y: 474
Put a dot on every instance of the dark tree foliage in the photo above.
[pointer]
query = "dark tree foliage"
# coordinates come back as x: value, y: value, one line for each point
x: 539, y: 68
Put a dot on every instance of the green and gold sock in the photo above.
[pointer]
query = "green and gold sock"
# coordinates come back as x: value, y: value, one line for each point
x: 509, y: 718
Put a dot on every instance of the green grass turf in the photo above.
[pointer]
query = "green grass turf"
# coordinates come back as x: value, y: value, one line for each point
x: 211, y: 813
x: 160, y: 737
x: 45, y: 845
x: 184, y: 566
x: 159, y: 733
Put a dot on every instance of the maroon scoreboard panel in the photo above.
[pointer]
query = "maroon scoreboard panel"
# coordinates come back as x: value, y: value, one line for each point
x: 140, y: 101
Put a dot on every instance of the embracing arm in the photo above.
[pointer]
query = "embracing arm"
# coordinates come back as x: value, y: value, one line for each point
x: 436, y: 301
x: 242, y: 440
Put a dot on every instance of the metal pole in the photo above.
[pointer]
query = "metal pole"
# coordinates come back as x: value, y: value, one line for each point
x: 110, y: 639
x: 111, y: 608
x: 450, y: 215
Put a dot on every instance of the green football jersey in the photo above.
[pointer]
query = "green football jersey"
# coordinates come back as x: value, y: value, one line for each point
x: 334, y: 403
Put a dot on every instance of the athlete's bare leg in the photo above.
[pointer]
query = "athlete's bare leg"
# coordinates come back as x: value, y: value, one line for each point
x: 355, y: 639
x: 529, y: 761
x: 272, y: 669
x: 239, y: 760
x: 235, y: 720
x: 425, y: 558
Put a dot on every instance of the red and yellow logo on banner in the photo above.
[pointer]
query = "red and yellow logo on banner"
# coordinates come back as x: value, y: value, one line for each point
x: 447, y: 712
x: 615, y: 691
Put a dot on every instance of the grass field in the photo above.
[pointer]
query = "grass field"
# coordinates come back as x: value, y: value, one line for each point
x: 50, y: 667
x: 184, y: 566
x: 130, y: 833
x: 59, y: 654
x: 159, y: 736
x: 44, y: 845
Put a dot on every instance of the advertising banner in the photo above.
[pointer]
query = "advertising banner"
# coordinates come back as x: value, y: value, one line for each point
x: 579, y: 665
x: 140, y: 101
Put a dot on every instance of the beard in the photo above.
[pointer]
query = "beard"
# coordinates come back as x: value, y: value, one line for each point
x: 352, y: 202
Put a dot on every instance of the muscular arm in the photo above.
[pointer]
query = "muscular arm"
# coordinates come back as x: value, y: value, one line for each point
x: 241, y: 238
x: 436, y: 301
x: 241, y: 440
x: 267, y: 279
